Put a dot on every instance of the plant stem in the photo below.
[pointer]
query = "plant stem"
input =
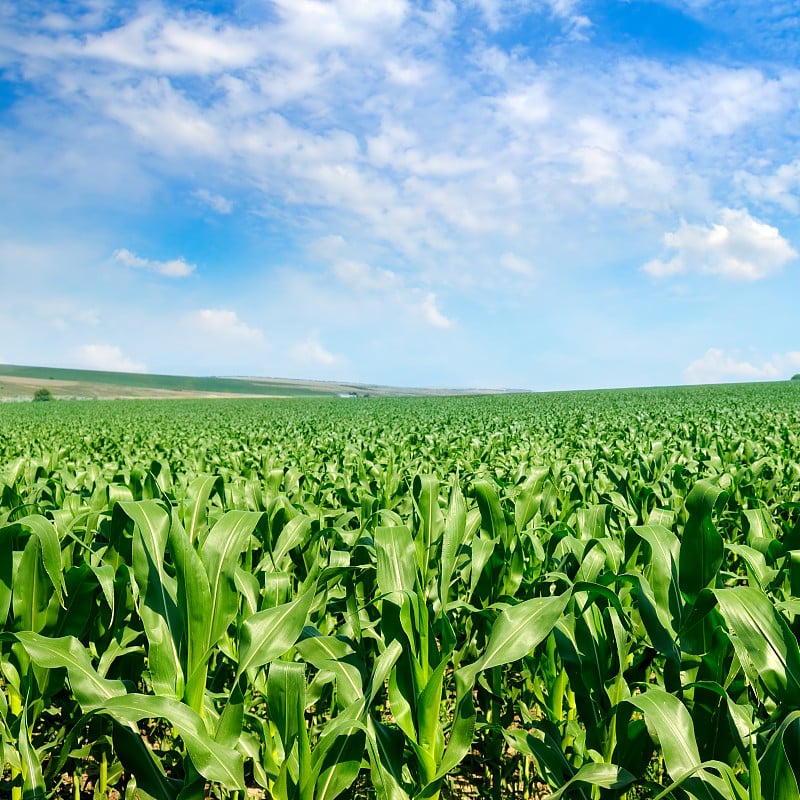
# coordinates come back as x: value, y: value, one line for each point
x: 15, y: 707
x: 103, y: 780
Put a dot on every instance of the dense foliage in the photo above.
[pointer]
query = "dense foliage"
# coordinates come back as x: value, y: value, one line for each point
x: 584, y: 594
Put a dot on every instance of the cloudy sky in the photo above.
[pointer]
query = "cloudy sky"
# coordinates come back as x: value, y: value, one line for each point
x: 541, y: 194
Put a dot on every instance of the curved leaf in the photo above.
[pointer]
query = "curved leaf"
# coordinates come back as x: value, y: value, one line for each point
x: 606, y: 776
x: 701, y: 544
x: 765, y: 645
x: 268, y: 634
x: 670, y: 724
x: 220, y: 555
x: 212, y: 760
x: 518, y: 629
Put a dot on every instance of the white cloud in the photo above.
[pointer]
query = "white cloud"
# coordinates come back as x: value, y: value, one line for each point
x: 718, y: 366
x: 492, y: 12
x: 738, y: 248
x: 500, y: 13
x: 224, y: 323
x: 517, y: 265
x: 106, y: 357
x: 439, y: 16
x: 578, y: 25
x: 420, y: 152
x: 525, y: 106
x: 327, y: 247
x: 364, y: 277
x: 288, y: 103
x: 697, y: 104
x: 398, y: 148
x: 391, y: 287
x: 163, y: 118
x: 732, y: 97
x: 310, y: 352
x: 183, y: 44
x: 407, y: 72
x: 176, y: 268
x: 781, y: 187
x: 431, y: 314
x: 216, y: 202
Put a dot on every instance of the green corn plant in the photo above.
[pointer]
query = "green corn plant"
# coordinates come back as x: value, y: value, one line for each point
x: 413, y: 615
x: 279, y: 597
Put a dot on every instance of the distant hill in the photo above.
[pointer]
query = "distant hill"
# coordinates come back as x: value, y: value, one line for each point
x: 21, y: 382
x: 796, y: 377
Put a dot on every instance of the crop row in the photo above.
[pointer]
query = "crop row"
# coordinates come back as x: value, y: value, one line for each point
x: 580, y: 595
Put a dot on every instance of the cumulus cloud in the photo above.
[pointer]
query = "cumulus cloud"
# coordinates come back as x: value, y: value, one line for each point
x: 310, y: 352
x: 216, y: 202
x: 738, y: 248
x: 718, y: 366
x: 224, y: 323
x: 176, y: 268
x: 106, y: 357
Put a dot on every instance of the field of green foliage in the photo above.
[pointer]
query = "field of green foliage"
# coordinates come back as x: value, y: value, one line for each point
x: 590, y: 595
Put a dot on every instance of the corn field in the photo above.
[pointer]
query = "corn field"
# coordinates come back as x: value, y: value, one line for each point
x: 588, y: 595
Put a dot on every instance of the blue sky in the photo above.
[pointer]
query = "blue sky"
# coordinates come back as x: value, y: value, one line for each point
x: 544, y: 194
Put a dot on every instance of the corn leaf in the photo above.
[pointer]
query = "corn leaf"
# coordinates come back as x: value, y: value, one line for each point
x: 211, y: 759
x: 269, y: 634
